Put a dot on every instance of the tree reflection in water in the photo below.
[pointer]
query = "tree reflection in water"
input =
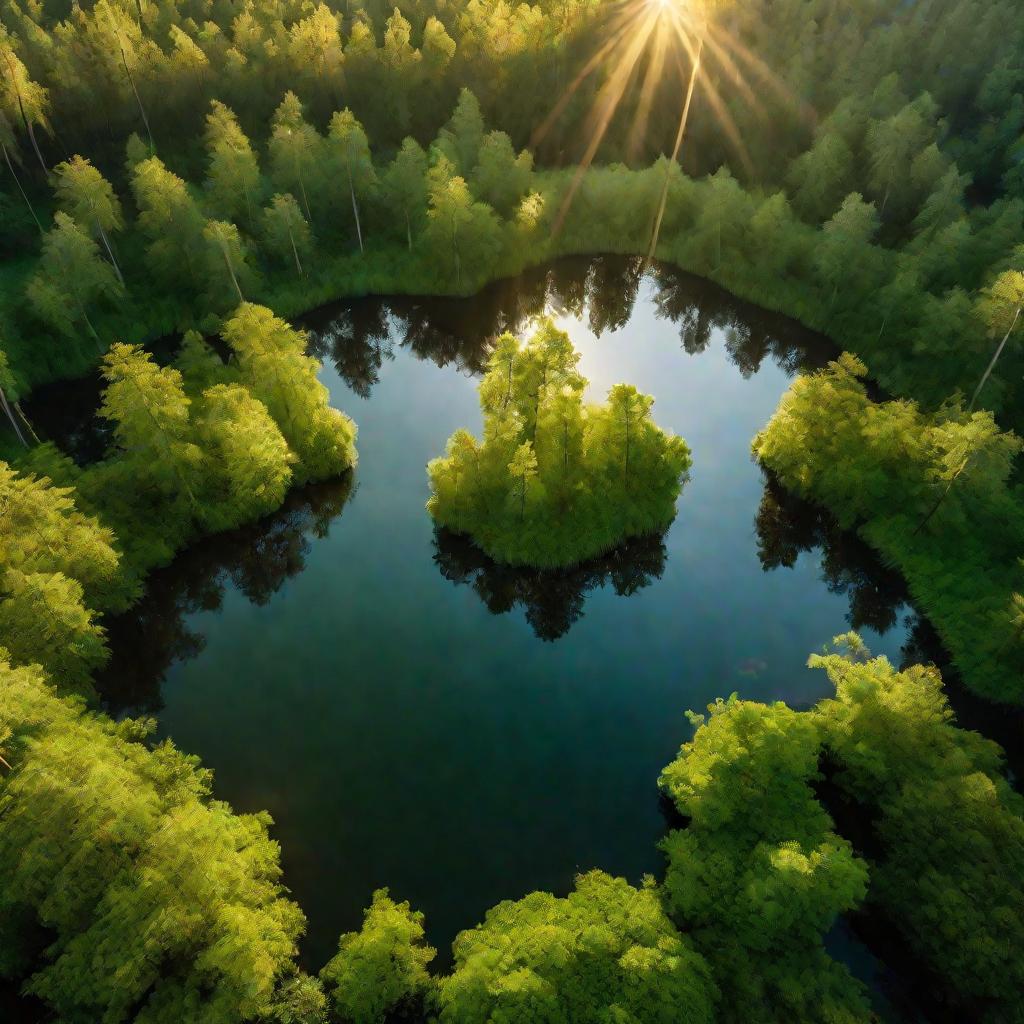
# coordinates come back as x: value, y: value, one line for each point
x: 360, y: 336
x: 150, y: 637
x: 553, y: 599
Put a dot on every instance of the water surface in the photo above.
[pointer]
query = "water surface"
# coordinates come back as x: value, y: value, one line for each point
x: 416, y: 717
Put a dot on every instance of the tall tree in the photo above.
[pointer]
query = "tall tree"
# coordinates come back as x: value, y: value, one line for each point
x: 295, y: 150
x: 88, y: 198
x: 233, y: 172
x: 1000, y: 308
x: 71, y: 276
x: 404, y: 186
x: 285, y: 232
x: 349, y: 151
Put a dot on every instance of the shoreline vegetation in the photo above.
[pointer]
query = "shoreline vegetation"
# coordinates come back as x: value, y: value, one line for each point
x: 231, y: 183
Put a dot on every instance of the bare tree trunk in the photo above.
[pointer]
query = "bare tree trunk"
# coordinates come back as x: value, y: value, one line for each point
x: 110, y: 253
x: 942, y: 496
x: 355, y: 206
x: 10, y: 416
x: 295, y: 252
x: 680, y: 134
x: 231, y: 271
x: 24, y: 117
x: 138, y: 99
x: 305, y: 201
x: 995, y: 359
x: 17, y: 181
x: 28, y: 425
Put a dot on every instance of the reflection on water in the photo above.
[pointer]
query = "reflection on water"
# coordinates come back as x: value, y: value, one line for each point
x: 553, y: 599
x: 255, y: 560
x: 402, y: 706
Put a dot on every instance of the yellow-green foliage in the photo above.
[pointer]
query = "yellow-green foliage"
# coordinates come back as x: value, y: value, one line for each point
x: 931, y: 492
x: 383, y: 967
x: 606, y: 953
x: 554, y: 481
x: 160, y: 905
x: 949, y: 873
x: 758, y: 875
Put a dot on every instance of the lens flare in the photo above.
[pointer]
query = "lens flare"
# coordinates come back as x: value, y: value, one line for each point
x: 663, y: 37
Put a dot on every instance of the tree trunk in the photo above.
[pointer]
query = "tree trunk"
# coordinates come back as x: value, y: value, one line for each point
x: 138, y: 99
x: 17, y: 181
x: 10, y: 416
x: 305, y: 201
x: 110, y: 253
x: 295, y: 252
x: 231, y: 271
x: 942, y: 496
x: 680, y: 133
x: 28, y: 425
x: 355, y: 206
x: 995, y: 359
x: 24, y: 117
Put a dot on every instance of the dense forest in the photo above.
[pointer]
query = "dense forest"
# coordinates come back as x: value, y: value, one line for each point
x: 207, y: 171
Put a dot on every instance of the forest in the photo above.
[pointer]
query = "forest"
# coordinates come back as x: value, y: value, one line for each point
x: 184, y: 183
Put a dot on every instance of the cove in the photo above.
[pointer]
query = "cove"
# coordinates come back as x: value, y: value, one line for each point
x: 415, y: 717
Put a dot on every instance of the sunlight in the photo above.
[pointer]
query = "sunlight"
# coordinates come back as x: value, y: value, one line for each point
x: 648, y: 39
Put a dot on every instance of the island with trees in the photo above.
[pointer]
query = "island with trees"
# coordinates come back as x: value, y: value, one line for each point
x: 555, y: 481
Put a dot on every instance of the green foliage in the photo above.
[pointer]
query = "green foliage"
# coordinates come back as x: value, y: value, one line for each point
x: 273, y: 365
x: 119, y: 853
x: 555, y: 482
x: 949, y: 827
x: 383, y: 967
x: 758, y: 875
x: 930, y: 491
x: 606, y: 953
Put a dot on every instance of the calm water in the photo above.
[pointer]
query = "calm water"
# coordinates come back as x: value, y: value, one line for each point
x: 415, y: 717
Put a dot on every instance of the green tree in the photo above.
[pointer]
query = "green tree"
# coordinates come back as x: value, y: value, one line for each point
x: 70, y: 278
x: 607, y: 952
x: 152, y: 432
x: 274, y: 367
x: 1000, y: 308
x: 44, y: 621
x: 383, y: 967
x: 502, y: 178
x: 404, y: 186
x: 461, y: 138
x: 89, y: 200
x: 349, y: 151
x: 233, y: 172
x: 286, y: 234
x: 295, y: 150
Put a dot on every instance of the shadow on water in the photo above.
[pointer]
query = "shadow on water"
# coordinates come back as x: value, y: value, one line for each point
x: 257, y: 560
x: 553, y: 599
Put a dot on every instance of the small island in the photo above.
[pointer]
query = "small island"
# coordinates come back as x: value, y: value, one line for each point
x: 555, y: 481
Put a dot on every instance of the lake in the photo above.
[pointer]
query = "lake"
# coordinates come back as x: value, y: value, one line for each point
x: 416, y: 717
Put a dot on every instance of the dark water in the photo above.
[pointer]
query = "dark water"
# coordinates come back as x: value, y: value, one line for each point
x: 413, y: 715
x: 416, y: 717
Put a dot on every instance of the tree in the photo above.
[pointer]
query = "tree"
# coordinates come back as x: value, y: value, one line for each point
x: 171, y: 221
x: 821, y: 177
x: 71, y: 273
x: 404, y: 186
x: 468, y: 230
x: 249, y: 459
x: 295, y: 150
x: 225, y: 251
x: 607, y: 952
x: 152, y: 431
x: 89, y: 200
x: 21, y: 99
x: 1000, y: 308
x: 348, y: 148
x: 233, y: 172
x: 502, y: 178
x: 381, y: 968
x: 273, y: 364
x: 553, y: 484
x: 180, y: 898
x: 43, y: 532
x: 286, y: 234
x: 461, y: 138
x: 44, y: 621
